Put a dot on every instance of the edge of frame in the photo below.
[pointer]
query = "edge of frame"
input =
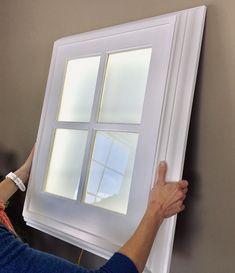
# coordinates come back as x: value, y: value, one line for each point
x: 175, y: 123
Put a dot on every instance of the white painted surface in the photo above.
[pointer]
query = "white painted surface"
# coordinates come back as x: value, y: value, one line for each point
x: 175, y: 40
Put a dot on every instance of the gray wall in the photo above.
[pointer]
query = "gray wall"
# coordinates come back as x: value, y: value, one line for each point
x: 205, y: 238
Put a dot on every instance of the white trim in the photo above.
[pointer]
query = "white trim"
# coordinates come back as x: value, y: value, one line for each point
x: 174, y: 116
x: 175, y: 121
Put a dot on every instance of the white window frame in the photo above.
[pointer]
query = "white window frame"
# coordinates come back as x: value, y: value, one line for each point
x: 173, y: 114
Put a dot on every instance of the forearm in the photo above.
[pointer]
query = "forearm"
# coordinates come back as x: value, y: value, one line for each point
x: 140, y: 244
x: 8, y: 187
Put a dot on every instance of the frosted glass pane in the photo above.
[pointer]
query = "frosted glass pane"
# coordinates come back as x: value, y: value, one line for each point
x: 124, y: 86
x: 66, y: 163
x: 79, y: 89
x: 110, y: 173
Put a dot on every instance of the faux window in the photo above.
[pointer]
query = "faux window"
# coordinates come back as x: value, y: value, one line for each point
x: 118, y: 100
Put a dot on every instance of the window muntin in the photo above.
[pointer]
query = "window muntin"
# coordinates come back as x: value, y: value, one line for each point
x: 112, y: 161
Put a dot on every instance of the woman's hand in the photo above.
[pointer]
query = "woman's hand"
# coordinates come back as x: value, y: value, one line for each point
x: 166, y: 198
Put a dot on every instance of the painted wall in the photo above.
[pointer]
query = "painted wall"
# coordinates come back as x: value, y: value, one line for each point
x: 205, y: 240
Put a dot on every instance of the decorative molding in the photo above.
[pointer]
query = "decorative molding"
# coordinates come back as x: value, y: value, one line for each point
x: 187, y: 30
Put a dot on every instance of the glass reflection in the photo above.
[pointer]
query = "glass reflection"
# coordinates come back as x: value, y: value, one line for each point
x: 110, y: 172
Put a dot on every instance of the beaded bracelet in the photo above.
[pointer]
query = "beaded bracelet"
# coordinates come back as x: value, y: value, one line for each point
x: 17, y: 181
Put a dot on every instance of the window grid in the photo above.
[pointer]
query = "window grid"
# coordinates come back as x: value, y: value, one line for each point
x: 94, y: 124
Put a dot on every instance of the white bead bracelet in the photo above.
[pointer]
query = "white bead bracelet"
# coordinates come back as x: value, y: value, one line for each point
x: 17, y: 181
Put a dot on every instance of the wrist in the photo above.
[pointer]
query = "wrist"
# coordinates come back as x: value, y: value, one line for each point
x: 17, y: 181
x: 23, y: 174
x: 155, y: 211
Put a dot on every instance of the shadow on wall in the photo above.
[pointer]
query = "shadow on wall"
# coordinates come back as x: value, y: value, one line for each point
x: 7, y: 161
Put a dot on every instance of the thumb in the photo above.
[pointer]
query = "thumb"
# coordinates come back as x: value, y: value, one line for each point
x: 162, y: 169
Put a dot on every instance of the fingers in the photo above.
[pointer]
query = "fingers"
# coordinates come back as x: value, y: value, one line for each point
x: 162, y: 170
x: 183, y: 184
x: 182, y: 188
x: 178, y: 195
x: 175, y: 208
x: 161, y: 176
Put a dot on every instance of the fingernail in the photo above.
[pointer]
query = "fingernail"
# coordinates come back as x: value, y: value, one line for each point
x: 162, y: 164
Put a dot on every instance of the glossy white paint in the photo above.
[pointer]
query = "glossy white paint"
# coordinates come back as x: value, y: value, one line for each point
x: 175, y: 40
